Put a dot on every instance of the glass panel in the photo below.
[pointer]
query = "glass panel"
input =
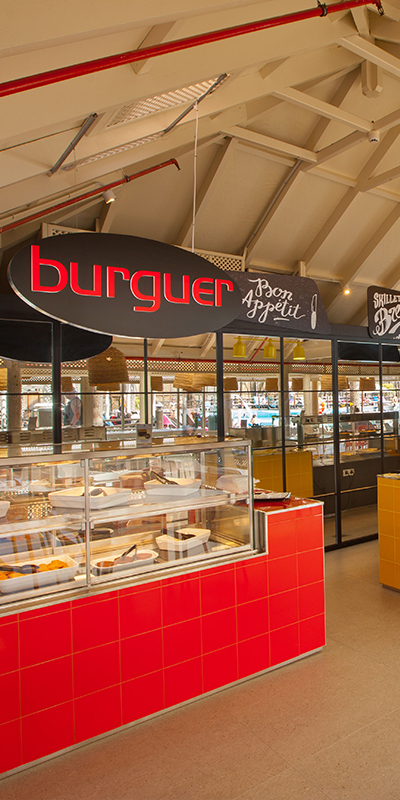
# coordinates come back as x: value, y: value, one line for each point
x: 309, y: 424
x: 42, y: 529
x: 162, y: 507
x: 360, y: 443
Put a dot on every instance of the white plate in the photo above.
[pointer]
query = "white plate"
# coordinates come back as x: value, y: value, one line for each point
x: 170, y: 543
x: 75, y: 498
x: 34, y: 581
x: 139, y: 562
x: 183, y: 486
x: 4, y: 506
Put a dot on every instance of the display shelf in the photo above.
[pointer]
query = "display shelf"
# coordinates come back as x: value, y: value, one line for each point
x: 36, y: 535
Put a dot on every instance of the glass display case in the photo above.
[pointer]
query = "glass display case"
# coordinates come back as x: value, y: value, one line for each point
x: 74, y: 523
x: 359, y: 435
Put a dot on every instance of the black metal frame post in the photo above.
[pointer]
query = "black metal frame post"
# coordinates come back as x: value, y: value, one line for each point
x: 56, y: 383
x: 282, y: 397
x: 336, y: 440
x: 219, y: 357
x: 146, y: 381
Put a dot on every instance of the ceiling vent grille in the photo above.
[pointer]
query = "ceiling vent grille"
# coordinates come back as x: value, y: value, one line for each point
x: 160, y: 102
x: 222, y: 260
x: 58, y: 230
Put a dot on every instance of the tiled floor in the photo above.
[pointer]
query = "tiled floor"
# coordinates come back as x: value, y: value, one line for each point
x: 325, y: 727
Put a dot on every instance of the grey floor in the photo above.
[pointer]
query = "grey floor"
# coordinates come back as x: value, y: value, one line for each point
x: 325, y: 727
x: 356, y: 522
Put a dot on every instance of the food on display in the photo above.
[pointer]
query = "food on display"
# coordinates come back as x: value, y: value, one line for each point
x: 179, y: 487
x: 99, y: 497
x: 183, y: 539
x: 139, y: 559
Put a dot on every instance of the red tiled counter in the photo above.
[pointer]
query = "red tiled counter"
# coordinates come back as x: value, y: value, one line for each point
x: 78, y: 669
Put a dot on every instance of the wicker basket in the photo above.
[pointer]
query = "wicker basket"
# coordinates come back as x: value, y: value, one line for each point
x: 326, y: 383
x: 156, y: 383
x: 297, y: 384
x: 3, y: 379
x: 271, y: 385
x: 367, y: 384
x: 66, y: 384
x: 109, y: 387
x: 108, y: 367
x: 230, y: 384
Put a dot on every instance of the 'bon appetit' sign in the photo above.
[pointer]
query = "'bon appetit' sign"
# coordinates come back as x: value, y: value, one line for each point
x: 282, y: 301
x: 383, y: 313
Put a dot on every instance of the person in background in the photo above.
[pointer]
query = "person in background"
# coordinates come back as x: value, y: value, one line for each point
x: 73, y: 410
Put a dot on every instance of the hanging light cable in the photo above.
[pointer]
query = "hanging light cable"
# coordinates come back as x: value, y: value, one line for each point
x: 196, y: 132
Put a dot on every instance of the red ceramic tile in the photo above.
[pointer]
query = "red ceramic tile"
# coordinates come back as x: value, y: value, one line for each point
x: 142, y: 696
x: 10, y: 750
x: 220, y: 668
x: 281, y: 538
x: 309, y: 533
x: 47, y: 732
x: 44, y: 610
x: 251, y: 580
x: 9, y: 657
x: 97, y: 713
x: 9, y: 697
x: 8, y: 619
x: 219, y: 629
x: 94, y: 624
x: 181, y: 642
x: 252, y: 619
x: 139, y: 587
x: 182, y: 682
x: 309, y: 511
x: 284, y: 644
x: 217, y: 589
x: 312, y: 633
x: 140, y: 612
x: 46, y: 685
x: 96, y: 669
x: 311, y: 600
x: 45, y: 638
x: 101, y: 597
x: 180, y: 601
x: 141, y: 654
x: 282, y: 574
x: 283, y: 609
x: 253, y: 655
x: 310, y: 566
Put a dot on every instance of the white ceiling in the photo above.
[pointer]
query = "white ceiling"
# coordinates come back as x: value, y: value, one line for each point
x: 305, y: 93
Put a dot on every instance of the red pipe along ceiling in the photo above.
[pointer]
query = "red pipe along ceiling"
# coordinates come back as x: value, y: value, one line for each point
x: 93, y: 193
x: 118, y: 60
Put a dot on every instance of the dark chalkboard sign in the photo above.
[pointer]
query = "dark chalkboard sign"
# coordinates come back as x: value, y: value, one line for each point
x: 383, y: 313
x: 282, y: 301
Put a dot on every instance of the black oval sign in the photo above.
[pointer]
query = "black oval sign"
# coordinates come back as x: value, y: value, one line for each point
x: 124, y: 285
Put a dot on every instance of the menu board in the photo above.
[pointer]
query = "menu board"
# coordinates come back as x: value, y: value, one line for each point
x: 282, y: 301
x: 383, y: 313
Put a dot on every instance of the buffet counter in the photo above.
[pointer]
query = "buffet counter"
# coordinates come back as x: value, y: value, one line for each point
x: 110, y: 643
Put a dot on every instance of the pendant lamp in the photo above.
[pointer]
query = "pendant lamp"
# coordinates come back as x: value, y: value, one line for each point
x: 107, y: 368
x: 270, y: 350
x: 66, y: 384
x: 239, y: 349
x: 299, y: 354
x: 115, y: 388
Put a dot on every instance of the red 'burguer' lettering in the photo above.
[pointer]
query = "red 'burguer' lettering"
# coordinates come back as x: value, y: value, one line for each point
x: 197, y: 291
x: 185, y: 289
x: 96, y: 291
x: 154, y: 298
x: 218, y: 290
x: 111, y: 278
x: 36, y: 263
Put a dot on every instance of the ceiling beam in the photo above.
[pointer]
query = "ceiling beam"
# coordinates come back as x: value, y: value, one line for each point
x: 371, y: 52
x: 357, y: 263
x: 156, y: 346
x: 269, y: 143
x: 293, y: 176
x: 324, y: 109
x: 377, y: 155
x: 156, y: 35
x: 384, y: 177
x: 203, y: 196
x: 207, y: 344
x: 361, y: 20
